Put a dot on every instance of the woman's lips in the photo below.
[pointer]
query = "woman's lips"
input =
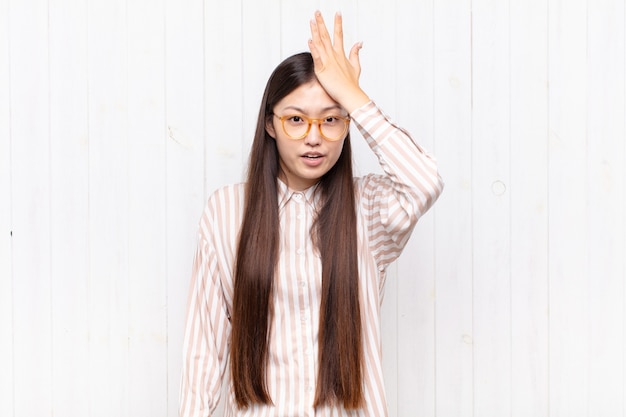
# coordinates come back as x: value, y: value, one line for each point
x: 312, y: 159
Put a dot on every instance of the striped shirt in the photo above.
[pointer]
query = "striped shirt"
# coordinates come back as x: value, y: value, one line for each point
x: 388, y: 206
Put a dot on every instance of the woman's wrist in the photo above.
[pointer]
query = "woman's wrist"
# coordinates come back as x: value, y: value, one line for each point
x: 355, y: 101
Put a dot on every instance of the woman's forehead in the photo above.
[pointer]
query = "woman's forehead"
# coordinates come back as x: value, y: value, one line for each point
x: 309, y: 98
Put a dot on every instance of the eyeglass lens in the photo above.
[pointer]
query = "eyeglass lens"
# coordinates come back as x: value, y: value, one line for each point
x: 298, y: 126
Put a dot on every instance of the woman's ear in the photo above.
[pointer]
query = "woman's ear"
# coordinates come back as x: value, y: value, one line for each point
x: 269, y: 127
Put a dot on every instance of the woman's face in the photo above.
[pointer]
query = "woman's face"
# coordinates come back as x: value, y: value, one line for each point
x: 303, y: 162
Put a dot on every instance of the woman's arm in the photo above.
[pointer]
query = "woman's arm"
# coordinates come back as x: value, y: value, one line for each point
x: 207, y: 329
x: 411, y: 183
x: 392, y: 203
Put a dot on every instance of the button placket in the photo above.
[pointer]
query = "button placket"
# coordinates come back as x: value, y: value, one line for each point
x: 302, y: 252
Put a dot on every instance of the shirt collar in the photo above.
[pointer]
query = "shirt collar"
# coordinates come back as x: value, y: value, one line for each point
x: 285, y: 194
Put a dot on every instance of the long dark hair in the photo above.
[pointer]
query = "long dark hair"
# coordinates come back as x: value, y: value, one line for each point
x: 339, y: 378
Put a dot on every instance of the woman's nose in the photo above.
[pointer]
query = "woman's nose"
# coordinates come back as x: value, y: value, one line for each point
x: 314, y: 137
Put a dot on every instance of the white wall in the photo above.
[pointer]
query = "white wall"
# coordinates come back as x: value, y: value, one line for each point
x: 118, y: 117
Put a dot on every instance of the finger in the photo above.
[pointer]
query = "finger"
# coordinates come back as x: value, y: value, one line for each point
x: 338, y: 33
x: 324, y: 36
x: 315, y: 54
x: 355, y: 61
x: 316, y: 38
x: 315, y: 34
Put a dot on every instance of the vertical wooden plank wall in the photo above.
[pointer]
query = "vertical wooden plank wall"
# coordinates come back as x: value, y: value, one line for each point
x: 118, y: 118
x: 223, y: 115
x: 529, y: 208
x: 491, y: 207
x: 147, y: 321
x: 452, y: 104
x: 185, y: 79
x: 108, y: 213
x: 606, y: 202
x: 568, y: 239
x: 6, y: 261
x: 31, y: 198
x: 69, y: 210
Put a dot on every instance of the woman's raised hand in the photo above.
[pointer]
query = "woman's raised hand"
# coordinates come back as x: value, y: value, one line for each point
x: 338, y: 74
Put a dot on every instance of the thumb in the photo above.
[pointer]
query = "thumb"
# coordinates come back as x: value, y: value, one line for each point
x: 354, y: 57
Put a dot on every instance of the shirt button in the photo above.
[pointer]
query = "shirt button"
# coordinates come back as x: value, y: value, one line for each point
x: 309, y: 388
x: 303, y: 284
x: 297, y: 196
x: 300, y: 251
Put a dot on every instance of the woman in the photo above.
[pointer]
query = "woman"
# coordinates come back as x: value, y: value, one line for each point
x: 289, y: 270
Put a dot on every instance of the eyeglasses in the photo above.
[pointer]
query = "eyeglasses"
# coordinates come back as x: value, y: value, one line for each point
x: 297, y: 126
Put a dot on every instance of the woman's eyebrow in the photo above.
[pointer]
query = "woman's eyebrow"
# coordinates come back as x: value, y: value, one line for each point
x: 323, y: 110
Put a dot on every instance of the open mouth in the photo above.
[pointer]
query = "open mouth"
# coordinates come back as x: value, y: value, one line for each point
x: 312, y: 159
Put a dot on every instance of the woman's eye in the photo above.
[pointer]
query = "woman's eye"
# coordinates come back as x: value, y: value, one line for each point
x: 331, y: 119
x: 295, y: 119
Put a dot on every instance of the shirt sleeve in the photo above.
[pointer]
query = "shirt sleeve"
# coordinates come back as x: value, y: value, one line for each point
x: 392, y: 203
x: 207, y: 330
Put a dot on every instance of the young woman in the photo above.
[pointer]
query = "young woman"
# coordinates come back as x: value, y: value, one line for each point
x: 289, y: 269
